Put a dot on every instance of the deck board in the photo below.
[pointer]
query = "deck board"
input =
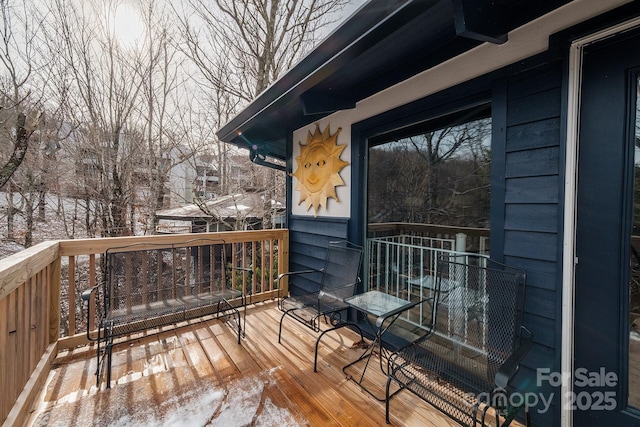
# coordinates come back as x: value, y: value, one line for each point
x: 325, y: 389
x: 200, y: 374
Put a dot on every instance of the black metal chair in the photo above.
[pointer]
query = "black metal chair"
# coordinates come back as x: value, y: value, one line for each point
x: 339, y: 279
x: 466, y: 366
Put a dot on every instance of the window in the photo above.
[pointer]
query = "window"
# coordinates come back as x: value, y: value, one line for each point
x: 435, y: 173
x: 428, y: 195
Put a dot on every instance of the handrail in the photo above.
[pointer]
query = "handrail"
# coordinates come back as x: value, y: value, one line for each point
x: 29, y: 326
x: 98, y: 246
x: 19, y: 267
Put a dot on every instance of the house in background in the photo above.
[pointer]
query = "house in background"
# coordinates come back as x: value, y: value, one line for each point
x: 199, y: 179
x: 534, y: 102
x: 207, y: 181
x: 241, y: 211
x: 182, y: 177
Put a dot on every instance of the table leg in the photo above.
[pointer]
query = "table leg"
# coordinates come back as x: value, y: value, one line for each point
x: 366, y: 356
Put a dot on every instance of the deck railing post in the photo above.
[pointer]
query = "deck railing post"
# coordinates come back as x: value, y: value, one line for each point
x: 283, y: 263
x: 461, y: 242
x: 71, y: 275
x: 54, y: 300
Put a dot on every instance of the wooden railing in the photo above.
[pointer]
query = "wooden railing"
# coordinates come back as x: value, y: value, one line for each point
x: 29, y: 326
x: 41, y: 314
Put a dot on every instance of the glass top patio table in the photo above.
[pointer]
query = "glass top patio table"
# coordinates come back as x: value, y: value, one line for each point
x: 386, y: 308
x: 378, y: 303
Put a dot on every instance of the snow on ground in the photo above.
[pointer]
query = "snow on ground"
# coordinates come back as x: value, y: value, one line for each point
x: 64, y: 219
x: 243, y: 402
x: 59, y: 223
x: 9, y: 248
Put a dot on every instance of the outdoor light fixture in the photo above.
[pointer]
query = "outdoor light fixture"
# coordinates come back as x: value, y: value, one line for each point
x: 257, y: 155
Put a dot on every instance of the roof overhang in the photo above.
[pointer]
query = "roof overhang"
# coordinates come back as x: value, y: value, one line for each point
x: 380, y: 45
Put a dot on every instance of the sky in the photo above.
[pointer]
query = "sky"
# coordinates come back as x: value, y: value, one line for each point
x: 129, y: 26
x: 344, y: 14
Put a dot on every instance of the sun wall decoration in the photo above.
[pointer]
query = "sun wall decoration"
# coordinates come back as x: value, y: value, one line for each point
x: 319, y: 167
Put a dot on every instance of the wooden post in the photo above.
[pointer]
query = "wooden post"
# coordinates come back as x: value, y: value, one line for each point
x: 54, y: 301
x: 271, y: 269
x: 283, y: 262
x: 71, y: 295
x: 92, y: 282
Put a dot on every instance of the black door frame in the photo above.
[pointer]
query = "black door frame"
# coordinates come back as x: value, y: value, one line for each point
x: 576, y: 62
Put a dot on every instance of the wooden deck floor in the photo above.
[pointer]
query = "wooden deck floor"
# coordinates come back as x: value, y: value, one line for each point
x: 198, y: 375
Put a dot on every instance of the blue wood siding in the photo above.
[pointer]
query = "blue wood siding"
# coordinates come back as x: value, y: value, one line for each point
x: 541, y: 217
x: 533, y: 211
x: 308, y: 241
x: 533, y: 190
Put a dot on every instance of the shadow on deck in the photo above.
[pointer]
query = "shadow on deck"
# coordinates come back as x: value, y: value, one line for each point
x: 198, y: 375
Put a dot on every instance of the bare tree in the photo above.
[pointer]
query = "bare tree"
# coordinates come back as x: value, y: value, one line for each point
x: 16, y: 58
x: 24, y: 157
x: 159, y: 84
x: 435, y: 177
x: 115, y: 112
x: 240, y: 47
x: 255, y: 41
x: 106, y: 89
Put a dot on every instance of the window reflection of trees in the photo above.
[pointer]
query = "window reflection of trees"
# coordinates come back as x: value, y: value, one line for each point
x: 435, y: 177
